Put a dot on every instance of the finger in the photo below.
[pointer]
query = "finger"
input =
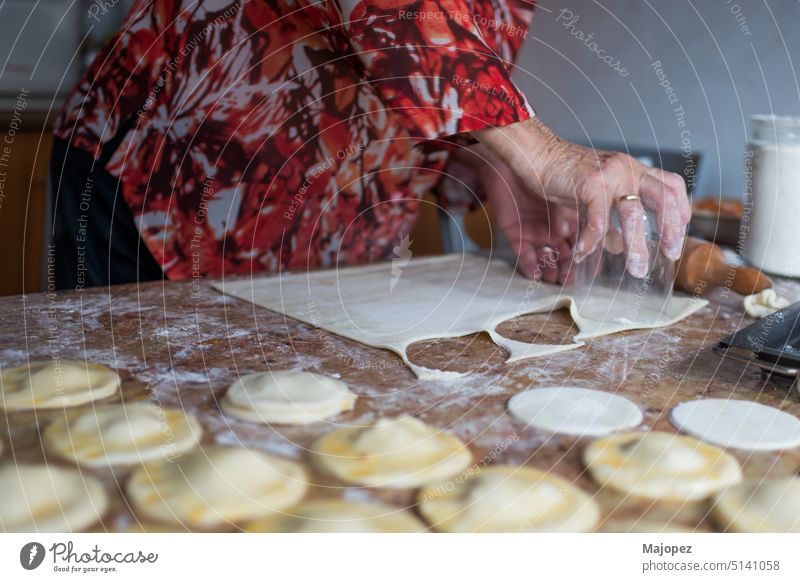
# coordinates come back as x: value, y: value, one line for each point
x: 632, y: 220
x: 665, y: 201
x: 548, y: 260
x: 613, y: 241
x: 594, y: 229
x: 678, y: 185
x: 528, y: 260
x: 566, y: 220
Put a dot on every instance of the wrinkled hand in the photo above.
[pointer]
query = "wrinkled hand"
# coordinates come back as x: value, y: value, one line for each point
x: 593, y: 181
x: 540, y: 233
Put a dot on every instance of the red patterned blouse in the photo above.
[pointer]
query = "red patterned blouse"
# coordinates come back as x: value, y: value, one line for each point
x: 268, y: 134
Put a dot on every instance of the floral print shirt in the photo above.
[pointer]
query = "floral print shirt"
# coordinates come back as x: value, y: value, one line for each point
x: 262, y: 135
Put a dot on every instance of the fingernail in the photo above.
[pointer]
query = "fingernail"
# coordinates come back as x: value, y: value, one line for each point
x: 636, y: 266
x: 564, y: 228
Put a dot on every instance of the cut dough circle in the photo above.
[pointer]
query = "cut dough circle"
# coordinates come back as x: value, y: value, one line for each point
x: 398, y: 453
x: 772, y: 505
x: 287, y: 397
x: 660, y: 465
x: 216, y: 486
x: 55, y: 384
x: 575, y: 411
x: 339, y: 516
x: 43, y: 498
x: 121, y: 434
x: 764, y: 303
x: 502, y: 498
x: 738, y: 424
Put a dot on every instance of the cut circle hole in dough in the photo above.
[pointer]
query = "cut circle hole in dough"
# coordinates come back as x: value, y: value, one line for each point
x: 397, y: 453
x: 503, y: 498
x: 737, y: 424
x: 575, y: 411
x: 772, y: 505
x: 121, y: 434
x: 339, y: 516
x: 287, y: 397
x: 660, y: 465
x: 44, y: 498
x: 216, y: 486
x: 55, y: 384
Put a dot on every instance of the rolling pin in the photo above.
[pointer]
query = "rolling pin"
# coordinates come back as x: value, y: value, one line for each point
x: 703, y: 267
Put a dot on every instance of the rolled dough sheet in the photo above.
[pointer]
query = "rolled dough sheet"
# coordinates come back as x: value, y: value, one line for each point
x: 392, y: 307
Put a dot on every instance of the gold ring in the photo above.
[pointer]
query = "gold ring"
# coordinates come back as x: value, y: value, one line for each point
x: 628, y: 197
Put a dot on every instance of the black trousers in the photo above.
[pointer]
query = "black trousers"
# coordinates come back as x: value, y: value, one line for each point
x: 95, y: 238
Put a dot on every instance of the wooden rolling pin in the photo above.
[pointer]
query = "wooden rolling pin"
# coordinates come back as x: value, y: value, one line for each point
x: 703, y: 267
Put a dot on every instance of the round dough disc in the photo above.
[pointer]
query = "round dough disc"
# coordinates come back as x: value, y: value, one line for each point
x: 502, y: 498
x: 42, y: 498
x: 767, y: 506
x: 738, y: 424
x: 55, y: 384
x: 660, y: 465
x: 575, y: 411
x: 121, y: 434
x: 398, y: 453
x: 215, y: 486
x: 287, y: 397
x: 339, y: 516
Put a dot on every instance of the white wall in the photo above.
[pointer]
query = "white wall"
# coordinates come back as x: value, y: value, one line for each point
x: 721, y: 69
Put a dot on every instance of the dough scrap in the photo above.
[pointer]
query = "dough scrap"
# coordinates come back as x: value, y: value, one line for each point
x: 772, y: 505
x: 503, y: 498
x: 764, y: 303
x: 660, y: 465
x: 55, y: 384
x: 216, y: 486
x: 397, y: 453
x: 449, y: 296
x: 339, y: 516
x: 287, y: 397
x: 575, y: 411
x: 737, y: 424
x: 121, y: 434
x: 44, y: 498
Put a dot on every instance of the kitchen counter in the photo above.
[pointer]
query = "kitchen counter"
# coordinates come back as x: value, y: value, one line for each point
x: 180, y: 348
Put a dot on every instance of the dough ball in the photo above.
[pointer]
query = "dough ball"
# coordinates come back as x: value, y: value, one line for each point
x: 575, y: 411
x: 43, y: 498
x: 503, y: 498
x: 121, y: 434
x: 737, y: 423
x: 643, y: 526
x: 339, y: 516
x: 55, y: 384
x: 660, y: 465
x: 215, y: 486
x: 287, y: 397
x: 764, y: 303
x: 767, y: 506
x: 398, y: 453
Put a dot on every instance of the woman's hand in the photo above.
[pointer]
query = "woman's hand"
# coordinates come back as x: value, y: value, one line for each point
x: 592, y: 181
x: 540, y: 233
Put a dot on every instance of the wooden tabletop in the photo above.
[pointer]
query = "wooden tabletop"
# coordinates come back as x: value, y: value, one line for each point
x: 182, y: 344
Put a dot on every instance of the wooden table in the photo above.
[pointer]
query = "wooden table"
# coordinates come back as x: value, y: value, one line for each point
x: 182, y: 345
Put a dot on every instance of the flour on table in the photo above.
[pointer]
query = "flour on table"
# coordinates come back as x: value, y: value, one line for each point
x: 449, y: 296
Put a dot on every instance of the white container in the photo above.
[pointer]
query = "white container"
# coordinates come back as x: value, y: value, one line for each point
x: 771, y: 219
